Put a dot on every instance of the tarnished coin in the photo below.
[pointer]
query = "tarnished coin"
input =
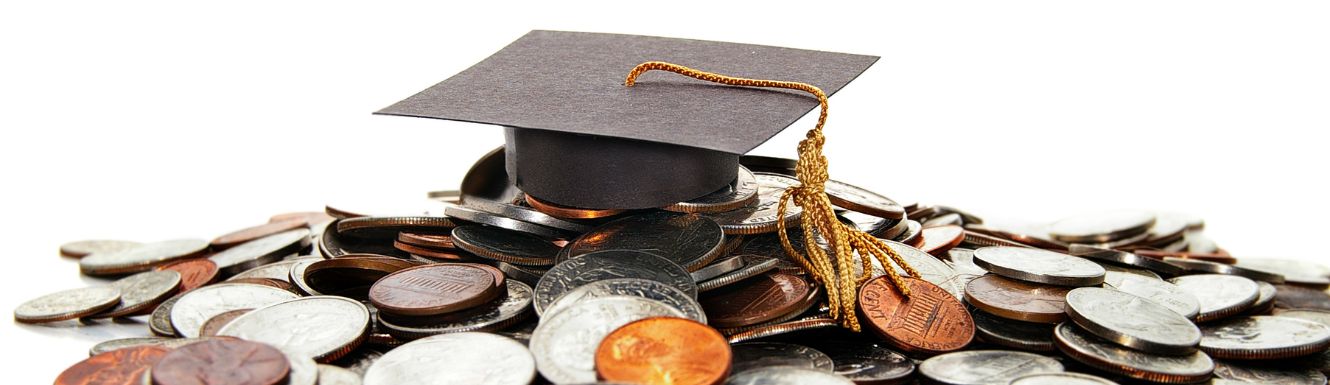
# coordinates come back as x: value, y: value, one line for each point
x: 868, y: 363
x: 763, y: 216
x: 565, y: 343
x: 132, y: 342
x: 774, y: 329
x: 1039, y: 266
x: 1220, y: 296
x: 742, y: 192
x: 1295, y: 297
x: 769, y: 245
x: 689, y: 240
x: 332, y: 375
x: 718, y: 268
x: 215, y: 324
x: 645, y: 288
x: 929, y: 267
x: 930, y: 320
x: 1109, y: 357
x: 753, y: 265
x: 1132, y: 321
x: 142, y: 292
x: 1067, y: 378
x: 80, y: 249
x: 255, y: 232
x: 222, y: 361
x: 1125, y: 258
x: 609, y: 264
x: 859, y: 199
x: 759, y: 300
x: 260, y: 251
x: 322, y: 328
x: 502, y: 245
x: 1195, y: 266
x: 1294, y: 271
x: 68, y: 304
x: 786, y: 375
x: 937, y: 240
x: 663, y: 351
x: 1156, y: 290
x: 194, y: 308
x: 126, y: 366
x: 982, y: 367
x: 560, y: 211
x: 434, y: 289
x: 1102, y: 227
x: 455, y: 359
x: 1260, y: 373
x: 1018, y: 335
x: 1018, y: 300
x: 1264, y: 338
x: 389, y: 227
x: 159, y: 322
x: 756, y: 355
x: 498, y: 314
x: 141, y: 258
x: 194, y: 273
x: 482, y: 217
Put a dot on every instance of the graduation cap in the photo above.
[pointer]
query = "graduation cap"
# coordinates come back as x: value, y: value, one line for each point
x: 576, y: 136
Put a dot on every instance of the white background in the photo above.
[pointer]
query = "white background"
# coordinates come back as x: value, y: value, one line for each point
x: 151, y: 121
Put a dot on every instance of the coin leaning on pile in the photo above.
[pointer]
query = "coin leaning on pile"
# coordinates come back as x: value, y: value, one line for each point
x: 521, y: 290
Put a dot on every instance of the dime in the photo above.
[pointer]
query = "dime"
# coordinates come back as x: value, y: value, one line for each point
x: 764, y: 216
x: 753, y: 266
x: 1117, y: 273
x: 260, y: 251
x: 756, y: 355
x: 68, y: 304
x: 222, y: 361
x: 1125, y: 258
x: 637, y: 287
x: 981, y: 367
x: 389, y: 227
x: 477, y: 216
x: 1294, y: 297
x: 1102, y: 227
x: 434, y: 289
x: 930, y: 320
x: 565, y: 343
x: 133, y: 342
x: 718, y: 268
x: 159, y: 323
x: 526, y: 215
x: 559, y: 211
x: 759, y: 300
x: 1220, y: 296
x: 1264, y: 338
x: 141, y: 258
x: 427, y: 240
x: 323, y: 328
x: 609, y: 264
x: 662, y: 350
x: 332, y: 375
x: 689, y: 240
x: 1156, y: 290
x: 1103, y: 355
x: 1205, y: 267
x: 1020, y: 335
x: 194, y: 308
x: 251, y: 233
x: 868, y: 363
x: 505, y: 245
x: 217, y: 322
x: 1132, y: 321
x: 742, y: 192
x: 937, y: 240
x: 142, y: 292
x: 118, y: 367
x: 785, y: 375
x: 1018, y: 300
x: 929, y: 267
x: 1040, y: 266
x: 194, y: 273
x: 495, y: 315
x: 1294, y: 271
x: 80, y: 249
x: 858, y: 199
x: 1265, y: 374
x: 896, y: 230
x: 1061, y: 379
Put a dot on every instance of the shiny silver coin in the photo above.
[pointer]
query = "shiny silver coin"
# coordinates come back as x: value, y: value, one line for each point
x: 526, y: 215
x: 513, y: 308
x: 718, y: 268
x: 1125, y: 258
x: 1093, y: 351
x: 140, y: 258
x: 868, y: 363
x: 1220, y: 296
x: 1195, y: 266
x: 602, y: 265
x: 388, y: 227
x: 1264, y: 337
x: 689, y: 240
x: 122, y: 343
x: 856, y: 198
x: 636, y: 287
x: 1132, y: 321
x: 299, y: 271
x: 477, y: 216
x: 68, y: 304
x: 1315, y: 315
x: 79, y: 249
x: 1061, y: 379
x: 199, y: 305
x: 869, y: 224
x: 753, y: 266
x: 763, y: 216
x: 1019, y: 335
x: 983, y: 367
x: 765, y: 330
x: 565, y: 343
x: 912, y: 231
x: 455, y: 359
x: 501, y: 245
x: 1257, y: 373
x: 321, y: 328
x: 142, y: 291
x: 159, y: 322
x: 754, y: 355
x: 929, y: 267
x: 786, y: 375
x: 332, y: 375
x: 1265, y: 301
x: 260, y: 251
x: 1294, y: 271
x: 1102, y: 227
x: 1039, y: 266
x: 280, y: 270
x: 738, y: 194
x: 1154, y: 289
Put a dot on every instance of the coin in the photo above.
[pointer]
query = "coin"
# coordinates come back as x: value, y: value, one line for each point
x: 609, y: 264
x: 1033, y: 235
x: 526, y: 215
x: 427, y: 240
x: 304, y: 371
x: 982, y: 367
x: 1061, y: 379
x: 141, y: 293
x: 763, y: 216
x: 194, y: 273
x: 159, y: 322
x: 962, y: 261
x: 637, y: 287
x: 1320, y: 316
x: 1156, y: 290
x: 769, y: 245
x: 459, y: 358
x: 718, y: 268
x: 430, y: 254
x: 662, y: 350
x: 1266, y: 374
x: 140, y: 258
x: 565, y: 343
x: 505, y: 245
x: 332, y: 375
x: 527, y: 274
x: 195, y: 307
x: 1294, y: 297
x: 1018, y: 300
x: 498, y: 314
x: 1125, y: 258
x: 753, y: 266
x: 389, y: 227
x: 222, y: 362
x: 785, y: 327
x: 866, y: 362
x: 1265, y: 301
x: 280, y: 270
x: 1132, y: 321
x: 434, y: 289
x: 1194, y: 266
x: 1039, y: 266
x: 769, y: 164
x: 68, y: 304
x: 929, y: 267
x: 742, y: 192
x: 937, y: 240
x: 481, y: 217
x: 1264, y: 338
x: 759, y: 300
x: 871, y: 225
x: 974, y: 239
x: 280, y: 284
x: 756, y: 355
x: 859, y: 199
x: 950, y: 219
x: 689, y: 240
x: 133, y: 342
x: 785, y: 375
x: 260, y: 251
x: 1007, y: 333
x: 560, y: 211
x: 322, y: 328
x: 215, y: 324
x: 1220, y: 296
x: 1209, y: 257
x: 80, y: 249
x: 255, y: 232
x: 1102, y: 226
x: 930, y: 320
x: 1294, y: 271
x: 1109, y: 357
x: 118, y: 367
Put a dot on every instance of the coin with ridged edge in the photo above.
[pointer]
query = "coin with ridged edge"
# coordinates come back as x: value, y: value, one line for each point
x: 718, y: 268
x: 1061, y: 379
x: 434, y: 289
x: 859, y: 199
x: 1102, y: 227
x: 689, y: 240
x: 980, y: 367
x: 140, y: 258
x: 742, y: 192
x: 503, y: 245
x: 753, y: 265
x: 602, y: 265
x: 323, y: 328
x: 142, y: 292
x: 496, y: 315
x: 636, y: 287
x: 68, y: 304
x: 1018, y: 300
x: 1039, y: 266
x: 482, y: 217
x: 798, y: 325
x: 1132, y: 321
x: 1264, y: 338
x: 764, y: 215
x: 80, y: 249
x: 757, y: 355
x: 1220, y: 296
x: 159, y: 322
x: 1027, y: 336
x: 1125, y: 258
x: 389, y: 227
x: 1266, y: 374
x: 1196, y: 266
x: 565, y: 343
x: 526, y: 215
x: 1093, y: 351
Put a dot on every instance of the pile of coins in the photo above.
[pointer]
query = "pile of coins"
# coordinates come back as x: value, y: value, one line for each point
x: 488, y: 285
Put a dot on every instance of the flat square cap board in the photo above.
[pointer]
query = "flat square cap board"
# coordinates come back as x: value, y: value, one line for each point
x: 577, y: 136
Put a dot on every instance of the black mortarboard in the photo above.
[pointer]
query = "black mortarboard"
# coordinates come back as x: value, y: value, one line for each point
x: 576, y: 136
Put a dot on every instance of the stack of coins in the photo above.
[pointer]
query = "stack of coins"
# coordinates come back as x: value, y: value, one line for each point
x: 499, y: 287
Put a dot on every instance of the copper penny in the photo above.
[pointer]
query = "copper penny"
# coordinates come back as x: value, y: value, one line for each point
x: 566, y: 212
x: 929, y: 321
x: 428, y: 252
x: 664, y: 351
x: 251, y: 233
x: 1209, y: 257
x: 757, y: 300
x: 434, y: 289
x: 1297, y: 297
x: 937, y: 240
x: 1018, y: 300
x: 121, y: 366
x: 350, y: 275
x: 215, y: 324
x: 222, y: 361
x: 194, y: 273
x: 437, y: 241
x: 389, y: 227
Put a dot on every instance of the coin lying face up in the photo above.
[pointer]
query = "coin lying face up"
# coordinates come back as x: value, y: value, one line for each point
x: 565, y: 343
x: 455, y: 359
x: 1039, y: 266
x: 323, y: 328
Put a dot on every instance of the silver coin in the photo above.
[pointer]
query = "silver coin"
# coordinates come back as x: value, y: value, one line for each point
x: 962, y: 260
x: 869, y: 224
x: 304, y: 371
x: 361, y: 359
x: 769, y: 245
x: 636, y: 287
x: 482, y: 217
x: 94, y: 246
x: 765, y: 330
x: 1020, y: 335
x: 735, y: 195
x: 1124, y: 258
x: 496, y: 315
x: 985, y: 367
x: 859, y: 199
x: 865, y: 362
x: 1061, y: 379
x: 142, y: 291
x: 1264, y: 337
x: 753, y: 265
x: 1117, y: 273
x: 1197, y: 242
x: 502, y: 245
x: 332, y: 375
x: 1294, y: 271
x: 1103, y: 355
x: 689, y: 240
x: 718, y: 268
x: 1039, y: 266
x: 1267, y: 374
x: 1320, y: 316
x: 141, y: 258
x: 260, y: 251
x: 929, y: 267
x: 527, y: 215
x: 1265, y: 301
x: 1219, y: 295
x: 315, y: 327
x: 122, y: 343
x: 564, y: 345
x: 1138, y: 239
x: 67, y: 304
x: 159, y: 323
x: 763, y: 216
x: 609, y: 264
x: 1102, y: 227
x: 280, y: 270
x: 298, y: 273
x: 1196, y: 266
x: 912, y: 231
x: 526, y: 274
x: 786, y: 375
x: 896, y: 230
x: 1154, y: 289
x: 199, y: 305
x: 754, y: 355
x: 1132, y: 321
